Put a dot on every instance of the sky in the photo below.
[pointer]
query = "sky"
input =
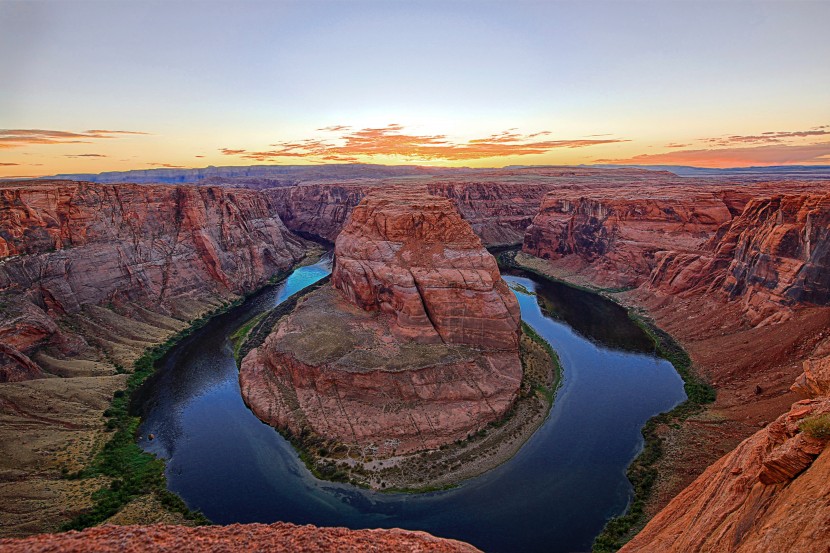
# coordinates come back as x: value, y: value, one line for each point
x: 100, y: 86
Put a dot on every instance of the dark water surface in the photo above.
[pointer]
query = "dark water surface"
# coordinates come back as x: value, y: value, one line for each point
x: 554, y: 495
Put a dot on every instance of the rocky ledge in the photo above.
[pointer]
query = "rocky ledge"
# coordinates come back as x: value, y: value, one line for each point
x: 415, y: 346
x: 236, y: 537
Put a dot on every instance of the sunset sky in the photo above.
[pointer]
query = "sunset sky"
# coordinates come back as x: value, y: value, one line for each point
x: 95, y: 86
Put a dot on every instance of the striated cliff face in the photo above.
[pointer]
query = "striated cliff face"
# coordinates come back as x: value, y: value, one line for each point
x: 279, y: 536
x: 415, y: 346
x: 615, y: 240
x: 775, y: 253
x: 498, y: 212
x: 90, y: 255
x: 769, y: 494
x: 411, y: 255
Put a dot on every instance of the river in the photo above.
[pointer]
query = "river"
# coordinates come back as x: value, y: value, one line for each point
x: 554, y: 495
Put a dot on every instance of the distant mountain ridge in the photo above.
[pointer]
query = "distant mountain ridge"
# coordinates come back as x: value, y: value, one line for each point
x: 268, y: 176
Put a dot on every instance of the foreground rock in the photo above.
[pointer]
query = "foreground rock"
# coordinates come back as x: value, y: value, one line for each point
x: 769, y: 494
x: 414, y: 347
x: 236, y: 537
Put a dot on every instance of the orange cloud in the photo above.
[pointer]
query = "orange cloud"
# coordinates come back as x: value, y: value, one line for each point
x: 167, y: 165
x: 769, y: 137
x: 393, y: 141
x: 85, y: 155
x: 773, y: 154
x: 8, y: 164
x: 16, y: 138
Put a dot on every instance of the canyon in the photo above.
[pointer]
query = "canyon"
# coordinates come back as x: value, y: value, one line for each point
x: 93, y: 274
x: 416, y: 308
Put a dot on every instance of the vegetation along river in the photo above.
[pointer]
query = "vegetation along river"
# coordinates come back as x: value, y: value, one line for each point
x: 555, y: 495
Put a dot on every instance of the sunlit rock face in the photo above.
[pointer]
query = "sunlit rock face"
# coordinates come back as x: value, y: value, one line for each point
x: 102, y: 258
x: 769, y: 494
x: 411, y: 255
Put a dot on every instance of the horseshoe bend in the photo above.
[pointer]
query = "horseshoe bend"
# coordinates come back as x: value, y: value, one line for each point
x: 415, y: 345
x: 316, y: 276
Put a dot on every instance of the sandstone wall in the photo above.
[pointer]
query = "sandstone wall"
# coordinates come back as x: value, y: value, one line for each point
x: 88, y: 256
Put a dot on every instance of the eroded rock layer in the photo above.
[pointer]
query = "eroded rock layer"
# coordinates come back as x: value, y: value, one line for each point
x: 775, y: 253
x: 415, y: 345
x: 279, y: 536
x: 339, y: 371
x: 121, y: 258
x: 768, y: 495
x: 411, y: 255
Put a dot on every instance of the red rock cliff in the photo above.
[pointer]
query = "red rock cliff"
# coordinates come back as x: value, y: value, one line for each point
x: 613, y: 237
x: 775, y: 253
x: 417, y: 346
x: 97, y: 253
x: 279, y: 536
x: 413, y: 256
x: 768, y: 495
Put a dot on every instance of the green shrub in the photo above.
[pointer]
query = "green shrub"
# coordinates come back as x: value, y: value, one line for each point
x: 817, y: 427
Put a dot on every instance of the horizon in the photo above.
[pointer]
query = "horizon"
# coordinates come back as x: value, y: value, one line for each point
x: 134, y: 86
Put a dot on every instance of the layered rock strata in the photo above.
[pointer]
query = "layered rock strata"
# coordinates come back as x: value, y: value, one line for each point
x: 112, y: 260
x: 415, y: 345
x: 412, y: 256
x: 775, y: 253
x: 279, y: 536
x: 90, y: 276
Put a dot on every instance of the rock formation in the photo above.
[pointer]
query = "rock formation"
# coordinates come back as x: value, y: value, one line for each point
x: 775, y: 253
x: 412, y: 256
x: 279, y: 536
x: 499, y: 204
x: 416, y: 345
x: 614, y: 238
x: 90, y: 276
x: 769, y: 494
x: 156, y: 255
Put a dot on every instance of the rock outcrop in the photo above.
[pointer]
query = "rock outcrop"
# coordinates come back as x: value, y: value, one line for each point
x: 279, y: 536
x: 411, y: 255
x: 769, y: 494
x: 415, y: 345
x: 90, y: 276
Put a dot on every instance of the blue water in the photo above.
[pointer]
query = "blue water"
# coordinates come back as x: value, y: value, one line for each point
x: 554, y: 495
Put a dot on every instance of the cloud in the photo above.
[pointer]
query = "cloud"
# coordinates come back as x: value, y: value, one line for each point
x: 768, y: 137
x: 16, y: 138
x: 393, y: 141
x: 676, y: 145
x: 772, y: 154
x: 335, y: 128
x: 85, y: 155
x: 5, y: 164
x: 199, y: 156
x: 167, y: 165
